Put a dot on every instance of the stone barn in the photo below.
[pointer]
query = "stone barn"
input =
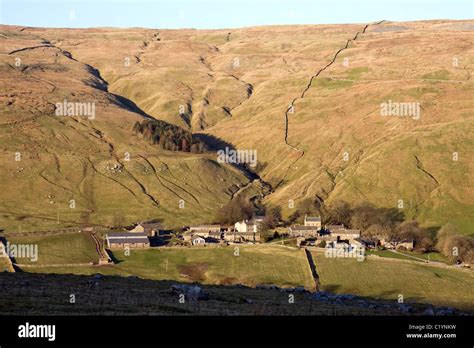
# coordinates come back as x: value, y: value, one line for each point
x: 121, y: 240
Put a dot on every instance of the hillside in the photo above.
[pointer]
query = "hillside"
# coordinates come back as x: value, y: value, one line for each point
x: 237, y: 85
x: 65, y: 170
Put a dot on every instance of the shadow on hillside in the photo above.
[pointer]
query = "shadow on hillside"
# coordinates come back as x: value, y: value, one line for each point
x: 212, y: 142
x: 215, y: 144
x: 129, y: 105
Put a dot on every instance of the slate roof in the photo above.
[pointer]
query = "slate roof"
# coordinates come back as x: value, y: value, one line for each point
x: 335, y: 227
x: 312, y: 218
x: 303, y: 228
x: 128, y: 240
x: 114, y: 235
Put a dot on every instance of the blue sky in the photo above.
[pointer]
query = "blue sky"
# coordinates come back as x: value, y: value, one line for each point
x: 223, y: 13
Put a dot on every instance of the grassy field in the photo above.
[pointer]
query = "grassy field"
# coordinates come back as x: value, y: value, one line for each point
x: 387, y: 279
x: 59, y: 249
x: 255, y: 265
x: 386, y: 253
x: 407, y: 255
x: 432, y: 256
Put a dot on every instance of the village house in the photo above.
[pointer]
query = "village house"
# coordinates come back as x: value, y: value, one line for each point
x: 208, y: 236
x: 241, y: 237
x: 205, y: 228
x: 203, y: 231
x: 347, y: 234
x: 121, y: 240
x: 342, y: 233
x: 246, y: 226
x: 303, y: 231
x: 314, y: 221
x: 197, y: 240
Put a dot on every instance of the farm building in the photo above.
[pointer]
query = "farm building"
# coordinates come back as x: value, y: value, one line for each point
x: 197, y: 240
x: 207, y: 237
x: 303, y: 231
x: 240, y: 237
x: 127, y: 240
x: 246, y: 226
x: 346, y: 234
x: 314, y: 221
x: 334, y: 228
x: 205, y: 228
x: 149, y: 228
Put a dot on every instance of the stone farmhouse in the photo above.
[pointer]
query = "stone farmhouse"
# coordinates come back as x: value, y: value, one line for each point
x: 314, y: 221
x: 334, y: 228
x: 346, y: 235
x: 303, y: 231
x: 242, y: 237
x: 342, y: 233
x: 205, y: 228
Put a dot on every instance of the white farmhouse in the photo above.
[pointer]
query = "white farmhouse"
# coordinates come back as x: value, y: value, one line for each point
x: 246, y: 226
x: 198, y: 240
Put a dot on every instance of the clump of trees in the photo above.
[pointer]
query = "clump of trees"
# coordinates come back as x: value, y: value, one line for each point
x: 272, y: 218
x: 455, y: 246
x: 237, y: 209
x: 412, y: 230
x: 168, y: 136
